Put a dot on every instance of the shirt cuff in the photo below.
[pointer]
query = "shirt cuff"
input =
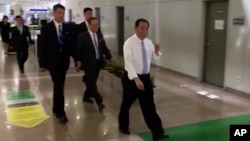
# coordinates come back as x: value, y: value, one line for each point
x: 159, y: 54
x: 132, y: 76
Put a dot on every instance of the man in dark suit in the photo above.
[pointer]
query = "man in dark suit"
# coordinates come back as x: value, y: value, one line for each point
x: 54, y: 55
x: 83, y: 27
x: 20, y: 39
x: 91, y: 48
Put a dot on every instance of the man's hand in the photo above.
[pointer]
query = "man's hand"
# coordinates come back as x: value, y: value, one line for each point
x: 43, y: 69
x: 111, y: 61
x: 78, y: 65
x: 157, y: 49
x: 139, y: 84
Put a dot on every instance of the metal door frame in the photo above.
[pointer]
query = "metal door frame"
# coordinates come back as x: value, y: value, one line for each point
x: 100, y: 15
x: 119, y: 49
x: 201, y: 77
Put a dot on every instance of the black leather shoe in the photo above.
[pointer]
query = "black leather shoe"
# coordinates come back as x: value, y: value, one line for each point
x: 57, y: 115
x: 123, y: 131
x: 88, y: 100
x: 64, y: 119
x: 101, y: 107
x: 161, y: 138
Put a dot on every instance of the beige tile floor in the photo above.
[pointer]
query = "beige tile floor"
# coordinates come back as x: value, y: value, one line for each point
x: 176, y: 105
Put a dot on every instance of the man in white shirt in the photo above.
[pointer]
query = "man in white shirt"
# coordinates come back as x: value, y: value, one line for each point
x: 138, y: 53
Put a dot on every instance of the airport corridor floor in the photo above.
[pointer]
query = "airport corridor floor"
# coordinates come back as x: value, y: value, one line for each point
x: 188, y: 109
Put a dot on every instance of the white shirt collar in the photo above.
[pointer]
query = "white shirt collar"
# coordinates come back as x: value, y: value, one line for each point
x: 138, y: 39
x: 91, y: 33
x: 57, y: 24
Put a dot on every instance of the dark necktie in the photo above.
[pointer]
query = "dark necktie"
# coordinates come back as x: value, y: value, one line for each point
x: 60, y: 37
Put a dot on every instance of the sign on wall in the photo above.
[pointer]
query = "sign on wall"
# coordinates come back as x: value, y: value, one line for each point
x: 219, y: 24
x: 238, y: 21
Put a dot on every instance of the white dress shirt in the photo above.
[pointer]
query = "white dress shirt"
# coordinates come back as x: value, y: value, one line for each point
x: 132, y: 50
x: 20, y: 28
x: 92, y: 37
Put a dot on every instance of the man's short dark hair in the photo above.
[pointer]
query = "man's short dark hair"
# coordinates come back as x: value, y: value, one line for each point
x: 92, y: 19
x: 58, y: 6
x: 138, y: 21
x: 5, y: 17
x: 18, y: 17
x: 87, y: 9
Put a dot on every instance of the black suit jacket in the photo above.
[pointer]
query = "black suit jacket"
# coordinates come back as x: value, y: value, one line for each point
x: 20, y: 41
x: 5, y: 30
x: 86, y: 50
x: 82, y: 27
x: 50, y: 54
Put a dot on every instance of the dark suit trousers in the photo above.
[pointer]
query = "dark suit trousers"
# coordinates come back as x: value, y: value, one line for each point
x: 146, y: 100
x: 58, y: 77
x: 90, y: 79
x: 22, y: 56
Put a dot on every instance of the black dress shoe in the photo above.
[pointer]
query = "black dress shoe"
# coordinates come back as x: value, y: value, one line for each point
x: 63, y: 119
x: 88, y: 100
x: 101, y: 107
x: 123, y: 131
x: 161, y: 138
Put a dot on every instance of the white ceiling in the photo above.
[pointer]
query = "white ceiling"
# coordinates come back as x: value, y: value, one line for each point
x: 5, y: 1
x: 34, y: 3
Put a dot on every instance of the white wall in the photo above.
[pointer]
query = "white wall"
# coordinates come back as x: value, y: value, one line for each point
x: 237, y: 73
x: 5, y: 9
x: 5, y: 1
x: 17, y: 8
x: 178, y: 25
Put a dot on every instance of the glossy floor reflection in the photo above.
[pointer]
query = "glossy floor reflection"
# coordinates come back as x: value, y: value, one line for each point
x: 176, y: 98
